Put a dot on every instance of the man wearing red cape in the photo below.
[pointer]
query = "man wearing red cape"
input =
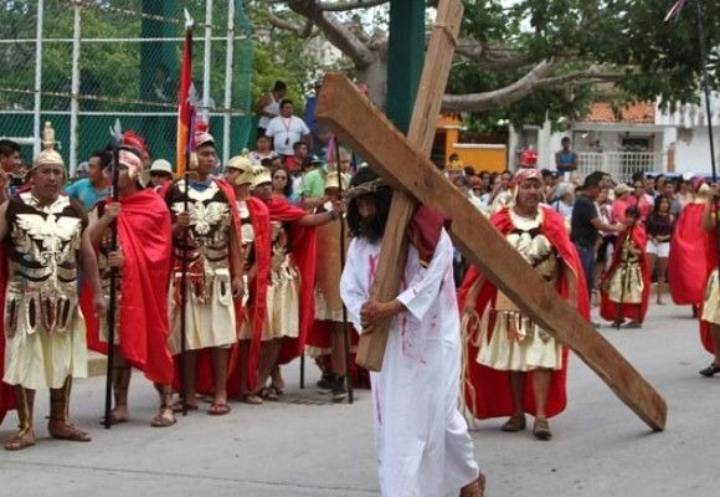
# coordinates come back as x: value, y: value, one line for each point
x: 292, y: 278
x: 710, y: 313
x: 251, y: 310
x: 687, y: 265
x: 205, y: 230
x: 513, y: 366
x: 625, y: 288
x: 143, y: 262
x: 44, y: 336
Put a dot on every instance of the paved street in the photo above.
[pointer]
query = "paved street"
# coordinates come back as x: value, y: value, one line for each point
x: 305, y: 447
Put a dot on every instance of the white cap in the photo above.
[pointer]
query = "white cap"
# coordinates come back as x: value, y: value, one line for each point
x: 161, y: 165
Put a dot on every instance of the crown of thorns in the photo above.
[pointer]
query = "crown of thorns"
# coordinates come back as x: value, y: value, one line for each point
x: 364, y: 189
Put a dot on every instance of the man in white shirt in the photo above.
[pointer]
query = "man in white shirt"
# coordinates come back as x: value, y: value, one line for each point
x: 287, y: 129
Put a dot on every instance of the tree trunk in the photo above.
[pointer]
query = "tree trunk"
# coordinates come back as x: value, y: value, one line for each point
x: 375, y: 76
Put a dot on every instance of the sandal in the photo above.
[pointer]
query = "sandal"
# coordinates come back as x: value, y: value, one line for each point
x: 219, y: 409
x: 177, y: 407
x: 711, y: 370
x: 251, y: 398
x: 162, y: 421
x: 115, y: 419
x: 515, y: 423
x: 269, y: 393
x: 20, y: 441
x: 73, y: 434
x: 541, y: 429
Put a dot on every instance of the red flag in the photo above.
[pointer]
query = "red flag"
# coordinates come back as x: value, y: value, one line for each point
x: 186, y: 110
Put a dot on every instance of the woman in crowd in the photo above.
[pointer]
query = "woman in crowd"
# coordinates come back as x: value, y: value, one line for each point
x: 659, y: 230
x: 281, y: 183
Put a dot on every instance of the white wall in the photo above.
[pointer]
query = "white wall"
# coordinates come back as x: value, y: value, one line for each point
x: 692, y: 149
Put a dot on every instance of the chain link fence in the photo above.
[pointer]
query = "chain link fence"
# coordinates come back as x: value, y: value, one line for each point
x: 82, y: 64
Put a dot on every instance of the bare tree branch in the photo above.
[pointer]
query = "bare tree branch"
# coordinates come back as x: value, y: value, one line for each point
x: 335, y: 31
x: 492, y: 57
x: 536, y: 79
x: 340, y: 6
x: 302, y: 31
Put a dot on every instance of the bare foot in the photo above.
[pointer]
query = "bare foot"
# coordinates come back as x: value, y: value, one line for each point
x: 22, y: 440
x: 474, y: 489
x: 119, y: 414
x: 164, y: 418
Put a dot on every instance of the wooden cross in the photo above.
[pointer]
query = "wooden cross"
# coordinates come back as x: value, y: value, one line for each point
x: 404, y: 164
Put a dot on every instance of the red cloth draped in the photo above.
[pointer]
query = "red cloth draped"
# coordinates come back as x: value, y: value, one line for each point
x: 423, y: 231
x: 609, y: 310
x: 301, y: 241
x: 144, y: 234
x: 257, y: 304
x: 687, y: 266
x: 7, y: 393
x: 711, y: 258
x: 487, y: 391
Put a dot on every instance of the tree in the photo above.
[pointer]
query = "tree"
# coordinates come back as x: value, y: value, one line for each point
x: 529, y: 59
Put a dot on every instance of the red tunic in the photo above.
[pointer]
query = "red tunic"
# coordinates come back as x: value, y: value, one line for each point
x: 144, y: 234
x: 711, y: 257
x: 687, y: 266
x: 609, y: 310
x: 487, y: 391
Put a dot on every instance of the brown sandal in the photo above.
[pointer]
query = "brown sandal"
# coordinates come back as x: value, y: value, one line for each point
x: 217, y: 409
x: 252, y: 399
x: 514, y: 424
x: 177, y: 407
x: 73, y: 434
x: 541, y: 429
x: 161, y: 421
x: 20, y: 441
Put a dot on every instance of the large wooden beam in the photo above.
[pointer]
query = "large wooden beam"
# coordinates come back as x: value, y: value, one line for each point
x: 355, y: 120
x: 371, y: 348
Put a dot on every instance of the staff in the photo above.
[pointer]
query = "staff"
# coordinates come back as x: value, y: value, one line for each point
x: 346, y: 331
x: 116, y: 132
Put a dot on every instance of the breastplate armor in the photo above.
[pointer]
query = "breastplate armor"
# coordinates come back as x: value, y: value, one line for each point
x: 247, y: 233
x: 208, y: 238
x: 44, y: 243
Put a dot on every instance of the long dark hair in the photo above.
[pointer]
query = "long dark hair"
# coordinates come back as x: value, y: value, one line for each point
x: 287, y: 191
x: 658, y: 202
x: 370, y: 229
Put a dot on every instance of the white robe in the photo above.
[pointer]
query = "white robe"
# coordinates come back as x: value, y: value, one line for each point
x: 422, y: 442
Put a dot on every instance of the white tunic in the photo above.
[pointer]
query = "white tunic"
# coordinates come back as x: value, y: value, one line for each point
x: 422, y: 442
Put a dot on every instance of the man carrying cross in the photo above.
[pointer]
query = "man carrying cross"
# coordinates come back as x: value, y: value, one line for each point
x: 421, y: 438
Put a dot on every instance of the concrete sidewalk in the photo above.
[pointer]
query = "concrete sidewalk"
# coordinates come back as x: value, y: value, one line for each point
x: 303, y: 446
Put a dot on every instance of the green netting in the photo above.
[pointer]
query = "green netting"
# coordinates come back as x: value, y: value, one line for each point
x: 129, y: 63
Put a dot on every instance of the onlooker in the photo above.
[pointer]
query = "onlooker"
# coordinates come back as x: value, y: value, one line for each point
x: 95, y: 187
x: 295, y: 161
x: 621, y: 203
x: 586, y: 223
x: 287, y: 129
x: 281, y: 183
x: 160, y: 173
x: 566, y: 159
x: 263, y: 150
x: 659, y: 230
x: 668, y: 191
x: 641, y: 200
x: 564, y: 199
x: 269, y: 106
x: 313, y: 182
x: 10, y: 164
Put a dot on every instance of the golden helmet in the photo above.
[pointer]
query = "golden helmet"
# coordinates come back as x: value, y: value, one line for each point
x: 49, y: 155
x: 242, y: 164
x: 261, y: 175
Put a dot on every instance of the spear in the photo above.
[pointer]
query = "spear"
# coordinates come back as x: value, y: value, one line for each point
x: 346, y: 328
x: 116, y: 132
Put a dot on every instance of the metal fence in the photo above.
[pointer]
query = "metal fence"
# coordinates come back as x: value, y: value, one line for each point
x: 83, y: 63
x: 620, y: 165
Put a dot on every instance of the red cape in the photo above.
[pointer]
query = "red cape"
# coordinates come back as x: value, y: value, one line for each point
x: 609, y: 310
x: 301, y: 241
x: 144, y: 233
x: 711, y: 258
x: 7, y: 393
x: 487, y: 391
x: 260, y: 219
x: 687, y: 266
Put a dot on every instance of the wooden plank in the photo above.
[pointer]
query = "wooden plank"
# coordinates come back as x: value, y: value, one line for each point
x: 355, y: 120
x: 371, y: 348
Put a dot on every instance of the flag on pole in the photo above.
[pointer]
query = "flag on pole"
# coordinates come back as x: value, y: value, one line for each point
x: 675, y: 10
x: 186, y: 109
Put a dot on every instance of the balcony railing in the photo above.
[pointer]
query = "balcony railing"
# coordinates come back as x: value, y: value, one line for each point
x: 620, y: 165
